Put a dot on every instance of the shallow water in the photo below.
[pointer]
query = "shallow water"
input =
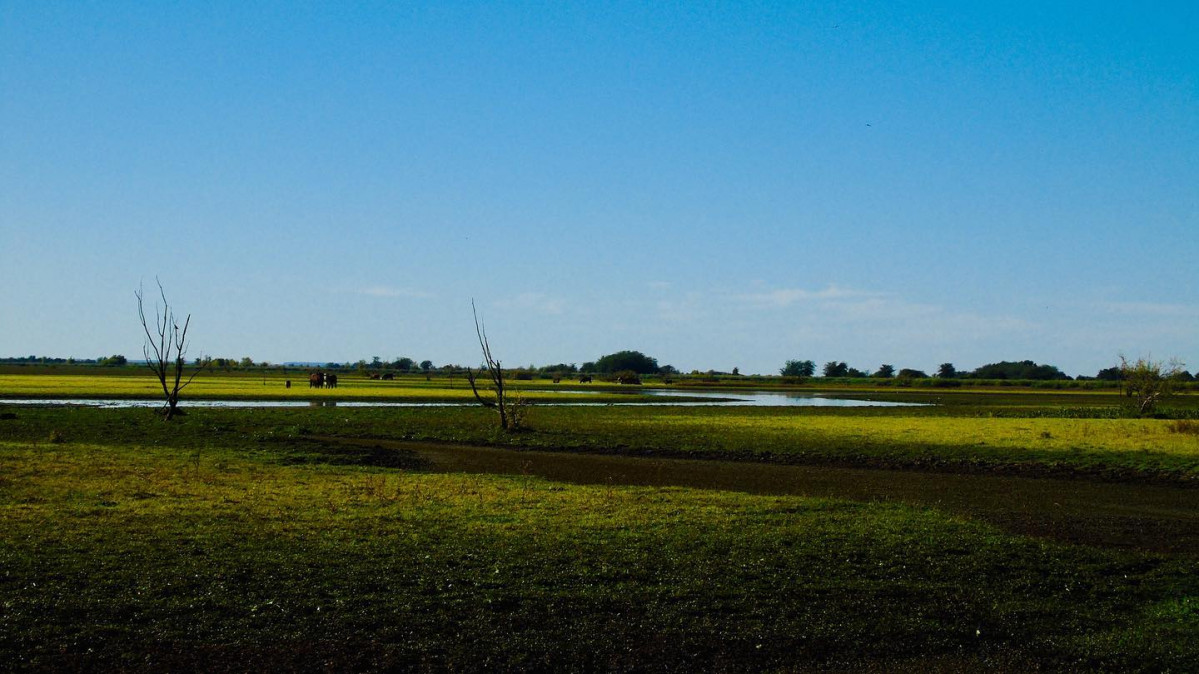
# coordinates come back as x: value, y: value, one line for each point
x: 721, y: 399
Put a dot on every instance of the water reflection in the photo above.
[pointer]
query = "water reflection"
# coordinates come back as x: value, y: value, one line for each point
x: 770, y: 399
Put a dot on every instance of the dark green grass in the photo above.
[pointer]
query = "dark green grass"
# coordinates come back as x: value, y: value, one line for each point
x: 139, y: 554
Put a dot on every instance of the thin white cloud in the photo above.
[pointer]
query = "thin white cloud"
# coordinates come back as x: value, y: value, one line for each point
x: 534, y: 302
x: 1151, y: 309
x: 785, y: 297
x: 691, y: 307
x: 391, y: 292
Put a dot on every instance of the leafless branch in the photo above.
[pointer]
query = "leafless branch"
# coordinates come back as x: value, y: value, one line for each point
x: 510, y: 418
x: 165, y: 349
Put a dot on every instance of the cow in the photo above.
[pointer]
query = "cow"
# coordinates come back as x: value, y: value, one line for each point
x: 316, y: 380
x: 585, y: 379
x: 330, y: 381
x: 288, y: 384
x: 389, y: 376
x: 373, y: 376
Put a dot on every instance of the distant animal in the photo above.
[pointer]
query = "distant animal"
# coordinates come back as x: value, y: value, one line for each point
x: 389, y: 376
x: 330, y: 381
x: 316, y: 380
x: 374, y: 376
x: 585, y: 379
x: 288, y: 385
x: 557, y: 379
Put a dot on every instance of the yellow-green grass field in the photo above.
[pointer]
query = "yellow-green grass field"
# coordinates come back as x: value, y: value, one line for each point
x: 351, y: 387
x: 928, y: 438
x: 1078, y: 441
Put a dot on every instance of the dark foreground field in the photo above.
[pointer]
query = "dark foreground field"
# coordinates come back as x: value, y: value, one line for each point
x: 421, y: 539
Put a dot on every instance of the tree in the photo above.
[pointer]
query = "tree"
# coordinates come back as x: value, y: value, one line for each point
x: 798, y: 368
x: 885, y: 372
x: 166, y: 349
x: 114, y: 360
x: 1149, y: 382
x: 1025, y: 369
x: 509, y: 408
x: 627, y: 360
x: 426, y: 365
x: 908, y: 373
x: 947, y: 371
x: 835, y: 369
x: 557, y: 369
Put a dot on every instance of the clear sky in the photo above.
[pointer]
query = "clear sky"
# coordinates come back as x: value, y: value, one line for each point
x: 716, y: 185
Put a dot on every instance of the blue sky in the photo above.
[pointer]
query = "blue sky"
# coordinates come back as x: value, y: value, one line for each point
x: 717, y: 185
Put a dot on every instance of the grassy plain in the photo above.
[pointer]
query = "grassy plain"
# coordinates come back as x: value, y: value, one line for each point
x: 330, y: 538
x: 129, y: 383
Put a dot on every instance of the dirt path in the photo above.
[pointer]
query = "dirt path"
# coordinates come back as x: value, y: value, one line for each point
x: 1130, y: 516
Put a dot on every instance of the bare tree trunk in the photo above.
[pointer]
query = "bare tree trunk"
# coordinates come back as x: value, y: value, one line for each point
x: 495, y: 375
x: 166, y: 349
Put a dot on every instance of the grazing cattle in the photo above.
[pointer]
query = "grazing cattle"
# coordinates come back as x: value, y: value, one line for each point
x: 330, y: 381
x: 389, y: 376
x: 288, y: 384
x: 585, y: 379
x: 557, y: 379
x: 374, y: 376
x: 316, y: 380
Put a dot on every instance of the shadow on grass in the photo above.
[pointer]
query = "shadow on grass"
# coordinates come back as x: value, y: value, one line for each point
x: 1154, y: 518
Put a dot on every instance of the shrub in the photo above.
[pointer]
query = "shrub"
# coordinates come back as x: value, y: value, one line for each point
x: 626, y: 377
x: 1149, y: 382
x: 1188, y: 426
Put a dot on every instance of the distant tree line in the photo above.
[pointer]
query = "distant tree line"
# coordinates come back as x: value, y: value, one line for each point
x: 636, y: 362
x: 112, y: 360
x: 1025, y: 370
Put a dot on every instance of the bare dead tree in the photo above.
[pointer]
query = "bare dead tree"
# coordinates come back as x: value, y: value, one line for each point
x: 166, y: 350
x: 509, y: 408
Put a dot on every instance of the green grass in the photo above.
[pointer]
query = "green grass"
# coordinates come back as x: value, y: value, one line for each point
x: 136, y: 382
x: 139, y: 384
x: 909, y: 438
x: 130, y: 555
x: 322, y: 538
